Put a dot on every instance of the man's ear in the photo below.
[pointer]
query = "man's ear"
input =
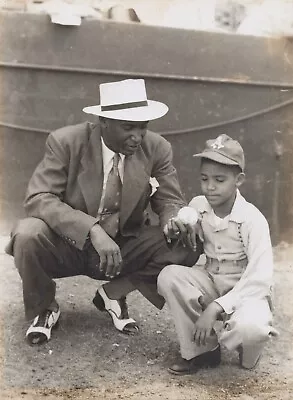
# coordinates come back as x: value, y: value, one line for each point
x: 240, y: 179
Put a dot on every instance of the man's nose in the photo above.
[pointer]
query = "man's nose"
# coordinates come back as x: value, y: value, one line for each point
x: 137, y: 135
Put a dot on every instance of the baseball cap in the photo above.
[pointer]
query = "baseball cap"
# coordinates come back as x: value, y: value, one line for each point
x: 224, y: 150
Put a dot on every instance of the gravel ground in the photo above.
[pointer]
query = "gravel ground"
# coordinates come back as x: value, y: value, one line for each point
x: 88, y: 359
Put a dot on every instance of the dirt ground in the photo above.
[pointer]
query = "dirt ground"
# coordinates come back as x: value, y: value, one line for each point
x: 88, y: 359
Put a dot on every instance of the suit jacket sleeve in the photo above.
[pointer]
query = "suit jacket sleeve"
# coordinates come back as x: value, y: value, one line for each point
x: 45, y: 196
x: 168, y: 199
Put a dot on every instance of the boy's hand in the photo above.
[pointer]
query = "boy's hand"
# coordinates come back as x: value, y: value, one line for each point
x: 191, y: 232
x: 205, y: 323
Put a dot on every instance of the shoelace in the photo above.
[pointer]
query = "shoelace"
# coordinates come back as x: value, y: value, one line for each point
x: 44, y: 319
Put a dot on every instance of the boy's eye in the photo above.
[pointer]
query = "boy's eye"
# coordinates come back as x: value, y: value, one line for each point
x: 220, y: 179
x: 204, y: 179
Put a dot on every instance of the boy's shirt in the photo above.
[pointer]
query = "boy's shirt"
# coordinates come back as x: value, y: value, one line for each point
x: 240, y: 246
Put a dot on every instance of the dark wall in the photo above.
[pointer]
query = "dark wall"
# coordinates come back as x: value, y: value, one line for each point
x: 212, y: 83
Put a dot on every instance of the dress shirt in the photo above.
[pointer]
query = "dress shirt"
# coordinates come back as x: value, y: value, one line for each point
x: 244, y: 234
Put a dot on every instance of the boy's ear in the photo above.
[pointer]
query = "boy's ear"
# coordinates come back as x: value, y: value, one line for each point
x: 240, y: 179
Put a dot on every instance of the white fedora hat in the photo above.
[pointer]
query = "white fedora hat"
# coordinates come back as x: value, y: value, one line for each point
x: 127, y: 100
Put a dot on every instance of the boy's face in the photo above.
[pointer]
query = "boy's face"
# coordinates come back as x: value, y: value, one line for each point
x: 219, y: 183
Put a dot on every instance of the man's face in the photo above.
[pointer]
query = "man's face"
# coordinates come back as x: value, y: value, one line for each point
x: 123, y: 136
x: 219, y: 183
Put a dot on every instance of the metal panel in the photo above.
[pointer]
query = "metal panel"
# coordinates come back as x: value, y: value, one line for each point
x: 213, y: 83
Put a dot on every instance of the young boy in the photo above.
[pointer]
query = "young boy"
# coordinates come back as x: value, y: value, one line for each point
x: 234, y: 285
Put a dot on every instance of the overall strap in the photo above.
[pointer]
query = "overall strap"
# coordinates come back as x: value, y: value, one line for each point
x: 241, y: 236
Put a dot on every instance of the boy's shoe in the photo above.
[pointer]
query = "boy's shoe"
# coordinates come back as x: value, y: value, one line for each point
x: 40, y: 329
x: 186, y: 367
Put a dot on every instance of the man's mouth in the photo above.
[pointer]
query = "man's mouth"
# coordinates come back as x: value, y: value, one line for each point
x: 132, y: 147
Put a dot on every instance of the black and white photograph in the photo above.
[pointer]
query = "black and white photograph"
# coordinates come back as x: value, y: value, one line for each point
x: 146, y: 213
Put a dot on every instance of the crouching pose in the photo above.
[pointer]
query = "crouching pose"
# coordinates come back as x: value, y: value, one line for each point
x: 234, y: 285
x: 87, y: 214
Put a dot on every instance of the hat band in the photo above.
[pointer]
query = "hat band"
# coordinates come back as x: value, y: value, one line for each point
x: 123, y: 106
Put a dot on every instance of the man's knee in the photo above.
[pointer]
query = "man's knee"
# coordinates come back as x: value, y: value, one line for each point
x: 168, y: 278
x: 27, y: 234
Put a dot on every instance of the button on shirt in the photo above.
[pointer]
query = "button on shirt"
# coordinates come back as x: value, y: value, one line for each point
x: 243, y: 234
x: 108, y: 155
x: 223, y: 241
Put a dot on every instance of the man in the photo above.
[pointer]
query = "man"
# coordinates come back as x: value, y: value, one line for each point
x: 86, y: 206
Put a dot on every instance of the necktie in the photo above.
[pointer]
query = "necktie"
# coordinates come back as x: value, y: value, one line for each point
x: 109, y: 220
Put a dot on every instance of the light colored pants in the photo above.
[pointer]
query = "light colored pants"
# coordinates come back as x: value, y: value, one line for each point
x: 249, y: 327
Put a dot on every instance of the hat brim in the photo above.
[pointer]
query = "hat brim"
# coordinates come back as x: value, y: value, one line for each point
x: 153, y: 110
x: 211, y: 155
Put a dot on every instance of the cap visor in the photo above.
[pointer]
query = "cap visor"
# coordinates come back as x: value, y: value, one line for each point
x: 153, y: 110
x: 211, y: 155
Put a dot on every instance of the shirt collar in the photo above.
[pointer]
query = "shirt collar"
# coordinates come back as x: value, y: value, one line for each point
x: 238, y: 212
x: 108, y: 154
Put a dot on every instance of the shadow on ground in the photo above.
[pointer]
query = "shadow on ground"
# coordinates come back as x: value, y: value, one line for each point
x: 88, y: 359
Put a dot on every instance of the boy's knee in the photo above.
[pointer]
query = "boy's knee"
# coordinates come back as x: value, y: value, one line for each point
x: 168, y: 278
x: 252, y: 333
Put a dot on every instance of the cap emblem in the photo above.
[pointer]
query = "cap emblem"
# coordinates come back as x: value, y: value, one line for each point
x: 217, y: 145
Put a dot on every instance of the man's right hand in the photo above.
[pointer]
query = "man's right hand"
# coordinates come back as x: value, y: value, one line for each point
x: 183, y: 230
x: 108, y: 250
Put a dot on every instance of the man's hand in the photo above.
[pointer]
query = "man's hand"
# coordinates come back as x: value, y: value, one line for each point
x: 174, y: 228
x: 205, y: 323
x: 184, y: 226
x: 108, y: 250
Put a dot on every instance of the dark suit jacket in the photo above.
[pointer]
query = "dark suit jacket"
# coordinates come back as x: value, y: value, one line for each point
x: 66, y: 187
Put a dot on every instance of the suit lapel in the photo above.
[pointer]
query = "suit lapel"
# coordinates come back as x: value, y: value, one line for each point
x: 91, y: 177
x: 134, y: 183
x: 91, y: 174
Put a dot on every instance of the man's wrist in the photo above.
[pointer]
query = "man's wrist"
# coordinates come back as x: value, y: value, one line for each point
x: 95, y: 229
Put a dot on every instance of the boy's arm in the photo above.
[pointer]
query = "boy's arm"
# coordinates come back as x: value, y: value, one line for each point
x: 256, y: 281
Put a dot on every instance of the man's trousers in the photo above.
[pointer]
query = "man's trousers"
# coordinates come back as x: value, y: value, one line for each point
x: 40, y: 255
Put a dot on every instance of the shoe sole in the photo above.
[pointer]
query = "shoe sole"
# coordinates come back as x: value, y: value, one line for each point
x: 191, y: 372
x: 99, y: 302
x: 42, y: 335
x: 100, y: 305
